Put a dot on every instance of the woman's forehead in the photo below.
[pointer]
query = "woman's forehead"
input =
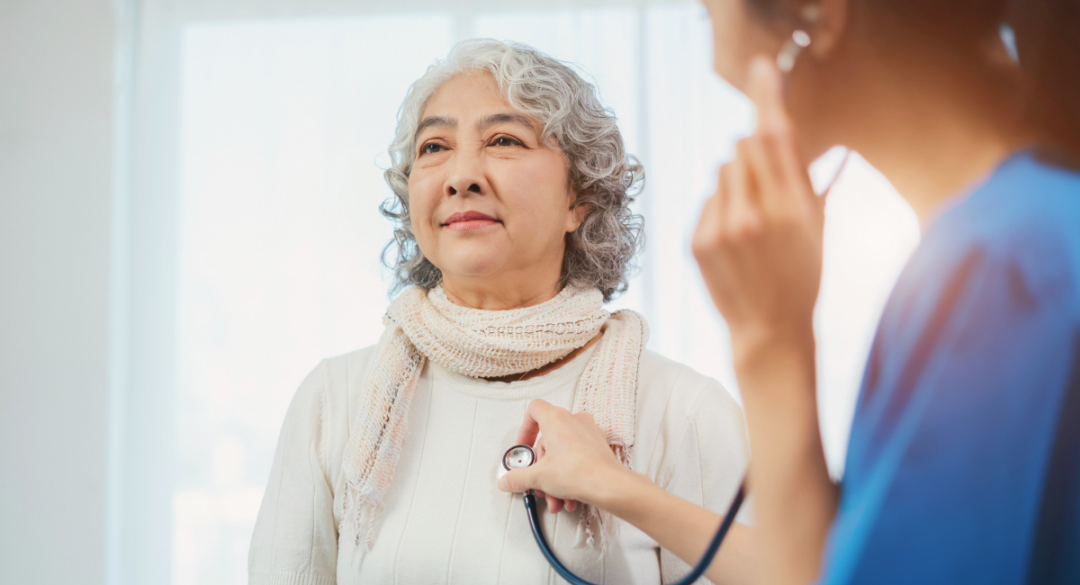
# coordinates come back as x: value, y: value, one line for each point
x: 471, y: 98
x: 476, y: 85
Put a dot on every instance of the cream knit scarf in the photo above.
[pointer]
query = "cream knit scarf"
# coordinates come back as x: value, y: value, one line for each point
x: 424, y: 325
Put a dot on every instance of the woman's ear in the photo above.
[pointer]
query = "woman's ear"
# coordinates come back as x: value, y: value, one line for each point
x: 827, y: 21
x: 579, y: 210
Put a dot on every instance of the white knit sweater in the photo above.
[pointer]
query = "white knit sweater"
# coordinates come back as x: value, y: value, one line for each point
x: 444, y: 519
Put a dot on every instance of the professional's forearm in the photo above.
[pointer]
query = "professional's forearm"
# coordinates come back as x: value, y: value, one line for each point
x: 794, y: 499
x: 683, y: 528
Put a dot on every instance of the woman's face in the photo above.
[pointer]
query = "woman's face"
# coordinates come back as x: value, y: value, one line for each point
x: 490, y: 203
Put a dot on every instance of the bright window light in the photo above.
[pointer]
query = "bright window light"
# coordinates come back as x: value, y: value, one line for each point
x: 284, y: 128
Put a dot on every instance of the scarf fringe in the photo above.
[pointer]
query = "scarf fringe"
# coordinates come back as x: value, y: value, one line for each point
x: 607, y: 523
x: 358, y: 515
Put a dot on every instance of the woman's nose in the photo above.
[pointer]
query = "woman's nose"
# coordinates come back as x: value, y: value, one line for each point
x: 454, y: 187
x: 466, y: 177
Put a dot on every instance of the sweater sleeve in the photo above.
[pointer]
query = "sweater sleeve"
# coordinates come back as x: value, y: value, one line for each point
x: 295, y: 538
x: 705, y: 461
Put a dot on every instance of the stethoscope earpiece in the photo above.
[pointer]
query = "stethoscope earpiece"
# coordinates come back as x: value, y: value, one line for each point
x: 799, y: 39
x: 789, y: 53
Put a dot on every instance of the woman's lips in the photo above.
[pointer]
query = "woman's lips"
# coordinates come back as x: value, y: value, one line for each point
x: 469, y: 220
x: 475, y: 224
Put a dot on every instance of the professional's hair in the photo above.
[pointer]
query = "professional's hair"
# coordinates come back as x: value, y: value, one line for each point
x: 606, y: 178
x: 1045, y: 37
x: 1048, y: 47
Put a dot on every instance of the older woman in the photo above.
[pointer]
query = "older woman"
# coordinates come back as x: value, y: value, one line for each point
x: 514, y: 228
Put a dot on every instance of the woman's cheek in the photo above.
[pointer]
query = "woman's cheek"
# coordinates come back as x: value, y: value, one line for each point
x: 421, y: 203
x: 540, y: 188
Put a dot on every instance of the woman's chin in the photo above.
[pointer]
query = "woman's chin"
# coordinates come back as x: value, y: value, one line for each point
x: 472, y: 273
x: 475, y: 260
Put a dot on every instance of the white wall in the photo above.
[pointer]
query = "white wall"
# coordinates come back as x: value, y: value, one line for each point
x: 55, y: 189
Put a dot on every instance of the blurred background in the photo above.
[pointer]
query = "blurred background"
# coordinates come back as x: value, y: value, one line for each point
x: 189, y: 222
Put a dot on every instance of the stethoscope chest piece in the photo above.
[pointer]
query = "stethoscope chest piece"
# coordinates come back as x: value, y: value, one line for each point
x: 517, y: 457
x: 521, y: 456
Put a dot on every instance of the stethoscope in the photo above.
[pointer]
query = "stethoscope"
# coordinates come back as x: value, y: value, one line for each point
x: 520, y: 456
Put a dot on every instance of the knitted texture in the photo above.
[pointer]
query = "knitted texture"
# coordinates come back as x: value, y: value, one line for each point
x: 422, y: 325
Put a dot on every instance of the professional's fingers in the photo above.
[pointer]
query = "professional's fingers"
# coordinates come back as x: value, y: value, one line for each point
x: 518, y: 480
x: 762, y: 164
x: 586, y: 417
x: 571, y: 505
x: 538, y: 410
x: 743, y: 217
x: 552, y: 501
x: 723, y: 197
x: 708, y: 233
x: 784, y: 185
x: 554, y: 504
x: 774, y: 151
x: 765, y: 89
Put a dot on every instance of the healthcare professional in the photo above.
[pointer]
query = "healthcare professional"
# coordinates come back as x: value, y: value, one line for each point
x: 964, y: 456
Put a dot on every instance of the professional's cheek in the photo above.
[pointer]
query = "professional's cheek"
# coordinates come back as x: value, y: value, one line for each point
x: 738, y: 35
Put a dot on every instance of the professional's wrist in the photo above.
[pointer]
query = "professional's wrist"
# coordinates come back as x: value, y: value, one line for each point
x: 777, y: 377
x: 766, y: 342
x: 619, y: 489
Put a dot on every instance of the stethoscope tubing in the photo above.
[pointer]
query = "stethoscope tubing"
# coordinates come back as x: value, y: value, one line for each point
x: 695, y: 574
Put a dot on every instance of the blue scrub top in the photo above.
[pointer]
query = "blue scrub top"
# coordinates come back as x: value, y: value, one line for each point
x: 964, y: 459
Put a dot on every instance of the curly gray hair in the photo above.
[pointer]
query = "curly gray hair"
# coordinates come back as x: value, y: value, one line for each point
x: 599, y: 254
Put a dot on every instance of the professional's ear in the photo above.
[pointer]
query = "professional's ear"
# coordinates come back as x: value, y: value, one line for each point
x: 829, y: 21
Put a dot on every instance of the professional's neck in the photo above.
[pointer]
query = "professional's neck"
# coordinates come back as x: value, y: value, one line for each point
x: 499, y: 294
x: 932, y: 129
x: 933, y: 155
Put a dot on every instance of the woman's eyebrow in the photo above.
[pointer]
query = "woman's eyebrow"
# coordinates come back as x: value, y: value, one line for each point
x: 489, y: 121
x: 435, y: 122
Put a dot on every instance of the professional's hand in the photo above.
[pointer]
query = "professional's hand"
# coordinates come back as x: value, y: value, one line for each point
x: 574, y: 460
x: 758, y: 245
x: 759, y: 239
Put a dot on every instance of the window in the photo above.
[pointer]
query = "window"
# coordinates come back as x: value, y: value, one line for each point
x: 282, y: 129
x: 282, y: 125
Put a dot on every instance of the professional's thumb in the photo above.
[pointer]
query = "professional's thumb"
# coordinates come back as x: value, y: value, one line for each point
x: 518, y: 480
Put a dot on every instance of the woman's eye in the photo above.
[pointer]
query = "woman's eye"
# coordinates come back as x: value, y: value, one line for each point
x: 430, y: 148
x: 506, y: 141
